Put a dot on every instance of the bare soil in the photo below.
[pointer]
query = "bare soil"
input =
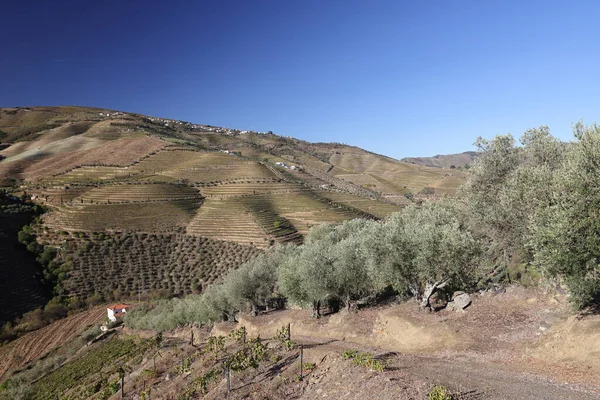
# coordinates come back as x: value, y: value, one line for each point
x: 520, y: 344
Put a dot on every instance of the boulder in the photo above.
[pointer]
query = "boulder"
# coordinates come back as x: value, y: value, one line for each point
x: 460, y: 301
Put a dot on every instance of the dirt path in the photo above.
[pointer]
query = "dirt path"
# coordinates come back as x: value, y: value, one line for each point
x: 473, y: 380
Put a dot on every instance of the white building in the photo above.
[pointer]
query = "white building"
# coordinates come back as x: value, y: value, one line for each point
x: 117, y: 311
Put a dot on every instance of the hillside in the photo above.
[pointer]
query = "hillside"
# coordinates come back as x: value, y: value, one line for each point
x: 444, y: 161
x: 513, y: 344
x: 118, y: 184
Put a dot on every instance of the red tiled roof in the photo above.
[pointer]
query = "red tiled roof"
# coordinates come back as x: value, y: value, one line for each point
x: 119, y: 307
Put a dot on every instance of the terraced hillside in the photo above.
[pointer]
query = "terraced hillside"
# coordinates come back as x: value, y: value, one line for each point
x: 131, y: 264
x: 208, y: 198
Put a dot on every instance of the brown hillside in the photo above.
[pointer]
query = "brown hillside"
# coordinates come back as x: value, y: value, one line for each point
x: 108, y: 172
x: 444, y: 161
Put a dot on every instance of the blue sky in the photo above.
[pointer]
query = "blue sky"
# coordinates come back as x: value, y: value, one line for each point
x: 396, y: 77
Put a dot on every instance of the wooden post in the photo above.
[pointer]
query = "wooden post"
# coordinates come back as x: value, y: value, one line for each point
x: 301, y: 360
x: 289, y: 332
x: 228, y: 376
x: 192, y: 341
x: 122, y: 385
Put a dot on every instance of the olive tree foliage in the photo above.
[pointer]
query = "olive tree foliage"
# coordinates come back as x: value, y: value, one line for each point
x: 241, y: 290
x: 507, y: 185
x: 249, y: 286
x: 565, y: 234
x: 537, y: 204
x: 423, y: 249
x: 331, y: 263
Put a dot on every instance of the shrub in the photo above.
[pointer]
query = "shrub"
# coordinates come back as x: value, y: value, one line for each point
x: 439, y: 393
x: 365, y: 359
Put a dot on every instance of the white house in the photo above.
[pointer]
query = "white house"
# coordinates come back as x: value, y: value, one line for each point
x: 116, y: 312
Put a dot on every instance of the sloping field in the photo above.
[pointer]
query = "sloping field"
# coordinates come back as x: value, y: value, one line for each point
x: 227, y: 219
x: 245, y: 187
x: 257, y: 218
x: 61, y: 139
x: 449, y: 184
x: 120, y: 152
x: 138, y: 263
x: 370, y: 182
x: 89, y: 174
x: 14, y: 118
x: 444, y: 161
x: 149, y: 216
x: 305, y: 210
x: 374, y: 207
x: 35, y: 344
x: 58, y: 194
x: 397, y: 173
x: 138, y: 193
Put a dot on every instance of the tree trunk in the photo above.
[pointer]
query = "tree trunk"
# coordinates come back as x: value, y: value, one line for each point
x: 316, y: 311
x: 430, y: 289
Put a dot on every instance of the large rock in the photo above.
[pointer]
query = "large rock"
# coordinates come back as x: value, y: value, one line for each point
x: 460, y: 301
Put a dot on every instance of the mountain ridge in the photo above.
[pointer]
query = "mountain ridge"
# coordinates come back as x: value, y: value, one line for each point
x: 444, y: 160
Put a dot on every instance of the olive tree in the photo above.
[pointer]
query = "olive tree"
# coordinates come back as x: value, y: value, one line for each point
x: 424, y: 249
x: 566, y: 234
x: 507, y: 185
x: 256, y: 280
x: 331, y: 263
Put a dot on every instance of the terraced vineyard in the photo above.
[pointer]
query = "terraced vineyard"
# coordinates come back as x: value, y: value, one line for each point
x: 245, y: 187
x: 149, y: 216
x: 139, y: 263
x: 376, y: 208
x: 136, y: 193
x: 227, y: 219
x: 101, y: 360
x: 199, y: 167
x: 306, y: 210
x: 89, y: 174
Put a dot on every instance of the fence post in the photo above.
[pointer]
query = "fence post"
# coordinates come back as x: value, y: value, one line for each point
x: 192, y: 341
x: 122, y: 385
x: 289, y: 332
x: 228, y: 375
x: 301, y: 360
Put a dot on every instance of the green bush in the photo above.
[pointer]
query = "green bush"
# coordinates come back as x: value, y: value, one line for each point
x: 439, y: 393
x: 365, y: 359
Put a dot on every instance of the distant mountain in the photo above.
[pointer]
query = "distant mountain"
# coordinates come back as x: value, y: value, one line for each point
x: 443, y: 160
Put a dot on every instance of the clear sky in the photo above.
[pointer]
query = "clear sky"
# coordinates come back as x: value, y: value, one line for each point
x: 401, y: 78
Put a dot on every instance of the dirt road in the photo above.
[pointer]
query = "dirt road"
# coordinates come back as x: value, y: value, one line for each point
x: 473, y: 380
